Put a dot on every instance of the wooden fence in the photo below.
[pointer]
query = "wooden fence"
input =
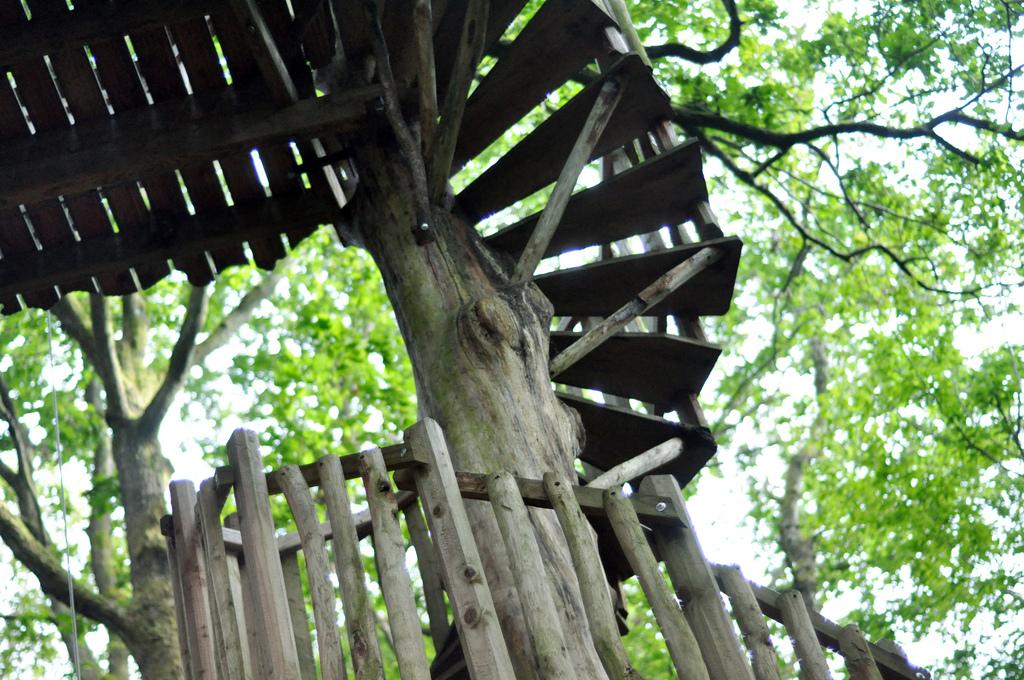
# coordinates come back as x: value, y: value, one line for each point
x: 243, y: 605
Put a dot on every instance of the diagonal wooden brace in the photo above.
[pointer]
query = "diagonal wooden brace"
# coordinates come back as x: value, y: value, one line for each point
x: 645, y: 299
x: 593, y: 128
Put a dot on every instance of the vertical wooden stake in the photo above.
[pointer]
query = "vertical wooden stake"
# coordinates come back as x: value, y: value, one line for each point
x: 179, y: 603
x: 475, y: 617
x: 696, y: 587
x: 430, y: 572
x: 805, y: 640
x: 751, y: 622
x: 857, y: 654
x: 270, y: 617
x: 297, y: 613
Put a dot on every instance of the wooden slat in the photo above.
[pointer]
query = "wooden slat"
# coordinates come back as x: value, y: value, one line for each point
x: 530, y: 576
x: 798, y: 624
x: 747, y: 613
x: 679, y: 639
x: 617, y: 434
x: 652, y: 367
x: 192, y: 572
x: 86, y: 26
x: 165, y: 137
x: 162, y: 238
x: 232, y: 659
x: 430, y: 573
x: 661, y: 191
x: 475, y: 616
x: 359, y: 617
x: 696, y: 588
x: 179, y: 605
x: 297, y: 611
x: 242, y: 591
x: 314, y: 550
x: 396, y: 586
x: 560, y: 39
x: 535, y: 161
x: 601, y: 288
x: 270, y: 618
x: 592, y: 581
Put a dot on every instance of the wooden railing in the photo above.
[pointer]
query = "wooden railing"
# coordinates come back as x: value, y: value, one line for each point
x: 243, y: 605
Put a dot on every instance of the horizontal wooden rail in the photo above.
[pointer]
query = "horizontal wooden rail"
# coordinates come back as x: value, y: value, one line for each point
x: 889, y: 663
x: 167, y: 136
x: 651, y: 509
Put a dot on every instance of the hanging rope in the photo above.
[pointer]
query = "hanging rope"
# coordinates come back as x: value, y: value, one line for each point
x: 63, y: 502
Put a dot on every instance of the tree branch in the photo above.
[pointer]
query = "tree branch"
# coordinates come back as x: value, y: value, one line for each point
x: 53, y: 579
x: 73, y: 323
x: 704, y: 56
x: 105, y: 358
x: 181, y: 358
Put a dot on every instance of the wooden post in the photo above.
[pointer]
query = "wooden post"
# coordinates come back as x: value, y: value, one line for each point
x: 321, y: 591
x: 242, y: 591
x: 192, y: 574
x: 805, y: 640
x: 475, y: 617
x: 679, y: 638
x: 857, y: 655
x: 639, y: 465
x: 586, y: 560
x: 270, y: 618
x: 232, y: 659
x: 430, y: 573
x: 389, y: 548
x: 530, y: 577
x: 359, y: 618
x: 179, y: 604
x: 604, y: 106
x: 751, y: 622
x: 695, y: 585
x: 297, y: 613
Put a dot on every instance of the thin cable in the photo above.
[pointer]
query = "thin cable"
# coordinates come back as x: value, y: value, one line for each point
x: 63, y: 503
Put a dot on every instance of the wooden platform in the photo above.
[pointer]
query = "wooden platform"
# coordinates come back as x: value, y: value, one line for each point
x: 599, y: 289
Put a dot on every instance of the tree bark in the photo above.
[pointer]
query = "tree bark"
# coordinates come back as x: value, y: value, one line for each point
x: 479, y: 350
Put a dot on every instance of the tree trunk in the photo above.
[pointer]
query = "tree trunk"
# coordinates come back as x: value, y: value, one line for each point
x: 479, y: 350
x: 143, y: 473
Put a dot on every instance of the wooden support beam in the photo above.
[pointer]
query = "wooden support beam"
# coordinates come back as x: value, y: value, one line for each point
x: 160, y: 240
x: 24, y: 41
x: 604, y: 106
x: 797, y: 620
x: 644, y: 300
x: 750, y: 619
x: 649, y: 460
x: 166, y: 137
x: 264, y: 50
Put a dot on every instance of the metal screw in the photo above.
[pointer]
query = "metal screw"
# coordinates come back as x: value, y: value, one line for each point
x: 660, y: 507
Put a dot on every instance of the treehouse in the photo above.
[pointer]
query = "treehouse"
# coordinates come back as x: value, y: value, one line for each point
x: 142, y: 137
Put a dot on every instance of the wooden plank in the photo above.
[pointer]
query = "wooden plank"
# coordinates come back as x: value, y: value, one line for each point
x: 86, y: 26
x: 535, y: 161
x: 314, y: 550
x: 747, y: 613
x: 601, y: 288
x: 798, y: 624
x: 679, y: 639
x: 270, y: 618
x: 857, y: 655
x: 264, y: 50
x: 475, y: 616
x: 164, y: 137
x: 396, y: 586
x: 161, y: 238
x: 617, y: 434
x: 652, y: 367
x: 192, y: 572
x: 242, y: 592
x: 593, y: 127
x: 696, y: 588
x: 297, y: 612
x: 660, y: 191
x: 179, y: 604
x: 560, y: 39
x: 592, y: 581
x: 360, y: 621
x: 232, y: 659
x: 396, y: 457
x: 531, y: 577
x: 634, y: 468
x: 430, y: 573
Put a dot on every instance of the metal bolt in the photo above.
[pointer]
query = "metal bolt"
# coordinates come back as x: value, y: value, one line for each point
x: 660, y: 506
x: 424, y: 226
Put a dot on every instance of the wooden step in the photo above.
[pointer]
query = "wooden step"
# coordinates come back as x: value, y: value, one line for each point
x: 653, y: 367
x: 561, y: 38
x: 448, y: 32
x: 617, y: 434
x: 601, y: 288
x: 536, y: 160
x: 661, y: 191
